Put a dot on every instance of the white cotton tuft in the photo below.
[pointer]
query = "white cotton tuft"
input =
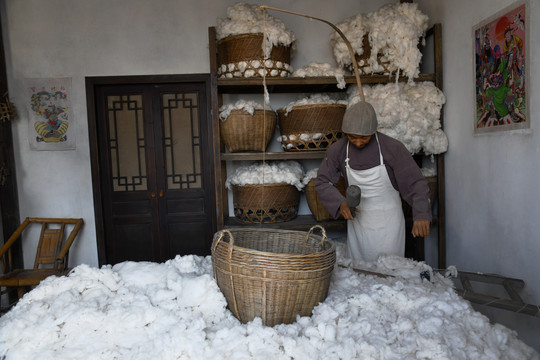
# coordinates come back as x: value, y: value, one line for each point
x: 408, y: 112
x: 451, y: 271
x: 428, y: 171
x: 315, y: 99
x: 311, y: 174
x: 248, y: 19
x: 290, y: 172
x: 314, y: 69
x: 393, y: 31
x: 248, y: 107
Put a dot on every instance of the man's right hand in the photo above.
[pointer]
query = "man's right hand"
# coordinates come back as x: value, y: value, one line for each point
x: 345, y: 211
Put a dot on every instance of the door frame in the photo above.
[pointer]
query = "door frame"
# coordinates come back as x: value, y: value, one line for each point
x: 91, y: 84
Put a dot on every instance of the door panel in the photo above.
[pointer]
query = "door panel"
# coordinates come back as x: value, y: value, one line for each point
x: 155, y: 162
x: 189, y: 230
x: 131, y: 242
x: 181, y: 140
x: 125, y: 142
x: 184, y: 206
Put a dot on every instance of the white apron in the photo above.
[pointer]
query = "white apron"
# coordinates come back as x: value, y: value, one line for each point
x: 379, y: 227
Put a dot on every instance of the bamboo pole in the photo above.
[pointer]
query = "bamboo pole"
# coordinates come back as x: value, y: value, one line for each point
x: 351, y: 51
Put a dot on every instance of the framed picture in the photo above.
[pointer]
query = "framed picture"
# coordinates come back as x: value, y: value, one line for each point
x: 501, y: 71
x: 50, y: 117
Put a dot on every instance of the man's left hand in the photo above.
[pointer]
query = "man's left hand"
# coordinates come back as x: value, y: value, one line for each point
x: 420, y: 228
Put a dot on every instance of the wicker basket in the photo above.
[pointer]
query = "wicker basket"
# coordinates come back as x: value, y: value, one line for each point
x: 311, y: 127
x: 272, y: 274
x: 265, y: 203
x: 363, y: 65
x: 242, y: 131
x: 242, y: 56
x: 432, y: 184
x: 315, y: 205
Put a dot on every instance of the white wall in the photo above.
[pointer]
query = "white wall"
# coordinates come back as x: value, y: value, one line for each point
x: 492, y: 181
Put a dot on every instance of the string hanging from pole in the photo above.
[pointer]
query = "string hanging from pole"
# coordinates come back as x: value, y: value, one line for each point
x: 265, y: 57
x: 264, y: 111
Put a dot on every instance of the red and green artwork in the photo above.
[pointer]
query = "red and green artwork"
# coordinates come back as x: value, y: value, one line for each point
x: 500, y: 66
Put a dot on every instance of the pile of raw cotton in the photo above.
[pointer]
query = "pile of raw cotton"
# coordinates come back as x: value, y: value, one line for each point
x: 290, y: 172
x: 314, y: 69
x: 249, y: 19
x: 175, y: 310
x: 310, y: 174
x: 409, y: 112
x: 247, y: 106
x: 393, y: 31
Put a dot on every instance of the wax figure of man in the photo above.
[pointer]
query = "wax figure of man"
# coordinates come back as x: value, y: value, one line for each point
x: 383, y: 168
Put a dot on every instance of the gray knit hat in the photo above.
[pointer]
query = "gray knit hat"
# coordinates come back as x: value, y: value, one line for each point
x: 360, y: 119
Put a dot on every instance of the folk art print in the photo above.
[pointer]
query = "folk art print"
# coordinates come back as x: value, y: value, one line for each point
x: 500, y: 51
x: 50, y: 115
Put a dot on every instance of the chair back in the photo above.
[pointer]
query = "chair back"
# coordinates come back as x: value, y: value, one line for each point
x: 50, y: 243
x: 53, y: 247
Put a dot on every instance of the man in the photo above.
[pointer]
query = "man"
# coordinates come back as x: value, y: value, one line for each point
x: 383, y: 169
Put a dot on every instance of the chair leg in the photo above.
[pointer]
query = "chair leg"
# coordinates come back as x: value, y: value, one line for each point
x: 21, y: 290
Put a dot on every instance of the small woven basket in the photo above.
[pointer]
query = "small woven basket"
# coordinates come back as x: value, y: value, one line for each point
x: 314, y: 203
x: 242, y: 56
x: 272, y: 274
x: 311, y: 127
x: 265, y: 203
x: 242, y: 131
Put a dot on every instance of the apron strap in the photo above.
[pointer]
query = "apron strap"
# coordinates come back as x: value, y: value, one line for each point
x: 379, y: 145
x: 347, y: 156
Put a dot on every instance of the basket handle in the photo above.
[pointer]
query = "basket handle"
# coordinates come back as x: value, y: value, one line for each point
x: 323, y: 234
x: 231, y: 241
x: 231, y: 244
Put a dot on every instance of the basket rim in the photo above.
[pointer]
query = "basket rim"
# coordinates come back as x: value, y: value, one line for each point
x: 247, y: 35
x: 240, y: 35
x: 331, y: 248
x: 265, y: 184
x: 302, y: 107
x: 241, y: 111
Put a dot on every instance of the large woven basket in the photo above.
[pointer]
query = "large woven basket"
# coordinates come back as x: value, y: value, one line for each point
x: 362, y: 60
x: 272, y: 274
x: 242, y: 56
x: 265, y: 203
x: 314, y: 203
x: 311, y: 127
x: 242, y: 131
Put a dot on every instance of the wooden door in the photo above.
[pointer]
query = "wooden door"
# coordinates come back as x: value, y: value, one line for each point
x: 155, y: 168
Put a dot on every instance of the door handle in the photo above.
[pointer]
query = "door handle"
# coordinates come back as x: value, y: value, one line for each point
x: 153, y: 194
x: 161, y: 193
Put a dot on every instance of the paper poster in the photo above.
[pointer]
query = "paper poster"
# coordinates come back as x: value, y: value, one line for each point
x: 50, y: 117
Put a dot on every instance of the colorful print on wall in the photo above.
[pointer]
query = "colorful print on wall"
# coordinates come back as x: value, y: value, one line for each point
x: 501, y: 69
x: 49, y: 114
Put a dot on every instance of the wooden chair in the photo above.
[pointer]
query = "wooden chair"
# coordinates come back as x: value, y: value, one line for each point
x: 51, y: 255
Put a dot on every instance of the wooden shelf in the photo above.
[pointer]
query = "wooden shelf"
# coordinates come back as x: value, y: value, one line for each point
x: 291, y: 155
x: 296, y: 84
x: 321, y: 84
